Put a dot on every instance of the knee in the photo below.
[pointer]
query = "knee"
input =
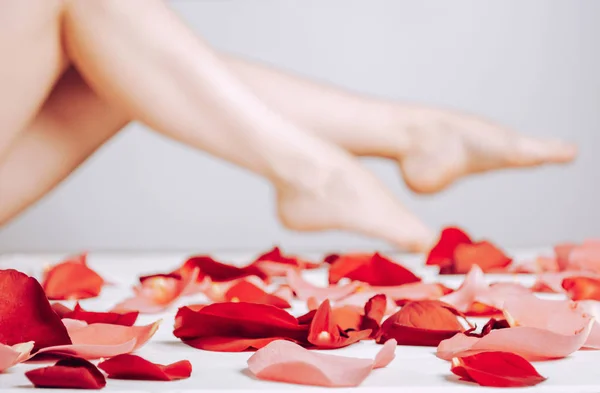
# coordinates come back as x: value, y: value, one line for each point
x: 24, y: 17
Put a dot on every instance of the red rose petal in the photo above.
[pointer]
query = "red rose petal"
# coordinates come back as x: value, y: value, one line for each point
x: 582, y: 288
x: 11, y: 355
x: 135, y: 367
x: 102, y: 340
x: 72, y: 280
x: 442, y: 253
x: 284, y: 361
x: 274, y: 263
x: 330, y: 258
x: 111, y: 318
x: 69, y: 373
x: 304, y: 290
x: 422, y: 323
x: 371, y: 269
x: 496, y: 369
x: 27, y: 314
x: 247, y: 325
x: 217, y: 271
x: 456, y: 253
x: 245, y: 291
x: 483, y: 254
x: 324, y: 333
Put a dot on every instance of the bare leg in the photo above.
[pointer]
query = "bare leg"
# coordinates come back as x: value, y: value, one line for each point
x: 31, y: 60
x: 167, y: 76
x: 434, y: 147
x: 72, y: 124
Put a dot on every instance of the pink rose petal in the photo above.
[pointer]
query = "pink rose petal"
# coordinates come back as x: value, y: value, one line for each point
x: 411, y: 291
x: 559, y: 316
x: 531, y: 343
x: 586, y: 257
x: 542, y: 329
x: 157, y: 293
x: 304, y: 290
x: 552, y: 282
x: 11, y: 355
x: 285, y: 361
x: 103, y: 340
x: 359, y: 300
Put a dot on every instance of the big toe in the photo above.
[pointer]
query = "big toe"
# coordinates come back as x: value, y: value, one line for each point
x: 536, y: 151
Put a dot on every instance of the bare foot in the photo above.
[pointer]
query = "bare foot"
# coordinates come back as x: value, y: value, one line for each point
x: 445, y: 146
x: 348, y: 197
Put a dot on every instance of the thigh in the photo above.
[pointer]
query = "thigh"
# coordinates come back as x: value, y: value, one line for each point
x: 32, y: 61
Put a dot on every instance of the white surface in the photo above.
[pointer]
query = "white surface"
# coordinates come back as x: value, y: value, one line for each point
x: 532, y: 65
x: 415, y: 369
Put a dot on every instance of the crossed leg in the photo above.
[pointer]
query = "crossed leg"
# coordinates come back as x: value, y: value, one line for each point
x: 417, y: 137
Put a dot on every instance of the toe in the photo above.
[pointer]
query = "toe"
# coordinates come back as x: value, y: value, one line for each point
x: 529, y: 151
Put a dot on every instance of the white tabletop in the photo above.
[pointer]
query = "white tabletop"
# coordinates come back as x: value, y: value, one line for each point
x: 415, y: 369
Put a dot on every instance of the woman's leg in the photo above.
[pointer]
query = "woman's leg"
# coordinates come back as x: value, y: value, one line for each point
x: 433, y: 146
x: 31, y: 60
x: 140, y: 56
x: 72, y: 124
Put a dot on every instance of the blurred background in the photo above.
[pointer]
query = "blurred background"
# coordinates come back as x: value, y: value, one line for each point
x: 533, y: 66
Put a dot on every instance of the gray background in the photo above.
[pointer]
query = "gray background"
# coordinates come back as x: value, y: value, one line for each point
x: 532, y: 65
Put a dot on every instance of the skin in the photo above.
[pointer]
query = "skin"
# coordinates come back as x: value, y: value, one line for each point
x: 299, y: 135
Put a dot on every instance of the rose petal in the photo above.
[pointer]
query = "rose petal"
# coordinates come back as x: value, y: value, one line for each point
x: 112, y: 318
x: 372, y: 269
x: 552, y: 282
x: 529, y: 342
x: 72, y: 280
x: 585, y: 257
x: 217, y: 271
x: 414, y: 291
x: 11, y: 355
x: 27, y: 314
x: 539, y: 265
x: 592, y: 308
x: 324, y: 333
x: 304, y: 290
x: 422, y: 323
x: 103, y: 340
x: 359, y: 299
x: 582, y: 288
x: 68, y: 373
x: 158, y: 293
x: 476, y: 298
x: 562, y: 251
x: 274, y: 263
x: 496, y: 369
x: 442, y: 253
x: 214, y: 326
x: 244, y: 291
x: 135, y: 367
x: 284, y: 292
x: 284, y: 361
x: 559, y: 316
x: 483, y: 254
